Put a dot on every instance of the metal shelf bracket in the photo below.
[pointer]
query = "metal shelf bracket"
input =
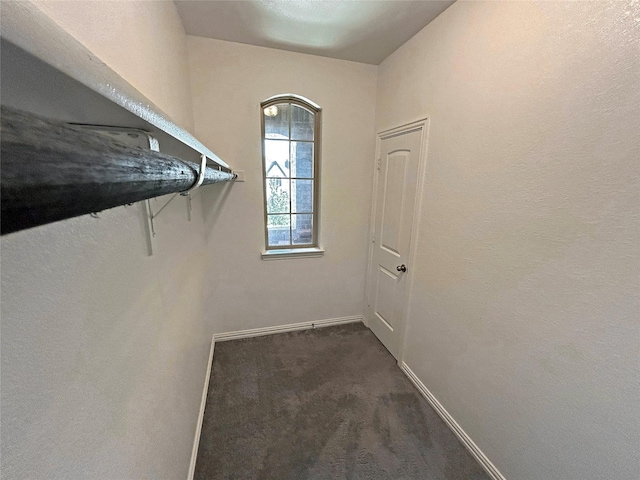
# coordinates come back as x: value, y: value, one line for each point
x: 139, y: 138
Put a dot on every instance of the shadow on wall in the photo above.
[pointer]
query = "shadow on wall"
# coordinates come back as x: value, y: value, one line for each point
x: 145, y: 227
x: 213, y: 200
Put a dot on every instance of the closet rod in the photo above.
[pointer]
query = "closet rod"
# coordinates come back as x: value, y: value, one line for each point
x: 52, y: 171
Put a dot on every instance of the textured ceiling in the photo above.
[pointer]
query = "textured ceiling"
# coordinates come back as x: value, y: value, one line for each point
x: 361, y: 31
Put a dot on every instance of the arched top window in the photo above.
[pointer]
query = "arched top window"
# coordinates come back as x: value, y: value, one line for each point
x: 290, y: 165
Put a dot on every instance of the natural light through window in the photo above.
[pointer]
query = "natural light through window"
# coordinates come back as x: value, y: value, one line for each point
x: 290, y: 133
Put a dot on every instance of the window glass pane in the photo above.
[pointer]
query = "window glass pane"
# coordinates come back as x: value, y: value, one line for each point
x: 302, y: 159
x: 302, y: 196
x: 301, y: 123
x: 278, y: 228
x: 277, y: 195
x: 289, y: 166
x: 302, y: 229
x: 276, y: 158
x: 276, y: 121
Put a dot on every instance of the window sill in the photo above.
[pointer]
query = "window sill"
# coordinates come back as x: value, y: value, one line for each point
x: 292, y: 253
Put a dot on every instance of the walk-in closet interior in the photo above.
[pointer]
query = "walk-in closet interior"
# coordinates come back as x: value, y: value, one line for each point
x: 312, y: 239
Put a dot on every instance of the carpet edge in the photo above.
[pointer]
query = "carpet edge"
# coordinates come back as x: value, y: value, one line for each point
x: 466, y: 440
x: 291, y: 327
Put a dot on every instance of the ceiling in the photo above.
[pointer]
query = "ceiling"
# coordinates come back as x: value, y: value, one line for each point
x: 357, y: 30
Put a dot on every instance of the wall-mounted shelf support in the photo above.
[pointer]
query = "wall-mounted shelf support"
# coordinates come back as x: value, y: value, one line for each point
x: 52, y: 167
x: 134, y: 137
x: 52, y: 171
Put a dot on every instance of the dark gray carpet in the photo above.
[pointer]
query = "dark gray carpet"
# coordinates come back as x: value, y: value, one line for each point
x: 322, y: 404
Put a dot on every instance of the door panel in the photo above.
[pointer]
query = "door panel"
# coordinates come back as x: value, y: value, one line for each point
x: 396, y: 189
x: 385, y: 294
x: 393, y: 200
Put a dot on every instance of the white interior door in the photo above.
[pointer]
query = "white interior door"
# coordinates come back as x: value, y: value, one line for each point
x: 393, y: 212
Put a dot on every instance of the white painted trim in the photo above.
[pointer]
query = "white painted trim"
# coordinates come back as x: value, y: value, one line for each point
x: 203, y: 402
x: 372, y: 226
x: 422, y: 125
x: 292, y: 253
x: 292, y: 327
x: 482, y: 459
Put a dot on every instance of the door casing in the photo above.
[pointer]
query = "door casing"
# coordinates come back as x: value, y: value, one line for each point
x: 423, y: 125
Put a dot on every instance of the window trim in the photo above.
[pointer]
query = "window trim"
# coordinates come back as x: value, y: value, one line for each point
x: 294, y: 250
x: 279, y: 254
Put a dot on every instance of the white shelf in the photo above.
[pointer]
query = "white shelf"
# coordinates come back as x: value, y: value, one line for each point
x: 47, y: 72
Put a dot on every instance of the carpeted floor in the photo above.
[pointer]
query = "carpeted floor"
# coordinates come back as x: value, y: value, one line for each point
x: 322, y: 404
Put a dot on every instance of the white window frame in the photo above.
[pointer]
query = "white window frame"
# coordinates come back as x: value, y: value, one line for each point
x: 304, y: 250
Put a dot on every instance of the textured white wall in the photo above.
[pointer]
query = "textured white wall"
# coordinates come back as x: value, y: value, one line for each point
x: 229, y: 80
x: 104, y: 348
x: 524, y: 313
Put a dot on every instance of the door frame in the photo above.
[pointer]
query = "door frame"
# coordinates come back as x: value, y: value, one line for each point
x: 423, y: 125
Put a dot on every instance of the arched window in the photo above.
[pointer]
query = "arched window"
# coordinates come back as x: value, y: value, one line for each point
x: 290, y: 165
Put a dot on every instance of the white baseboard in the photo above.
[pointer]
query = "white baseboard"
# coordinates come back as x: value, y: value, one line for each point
x: 203, y: 402
x: 292, y: 327
x: 489, y: 467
